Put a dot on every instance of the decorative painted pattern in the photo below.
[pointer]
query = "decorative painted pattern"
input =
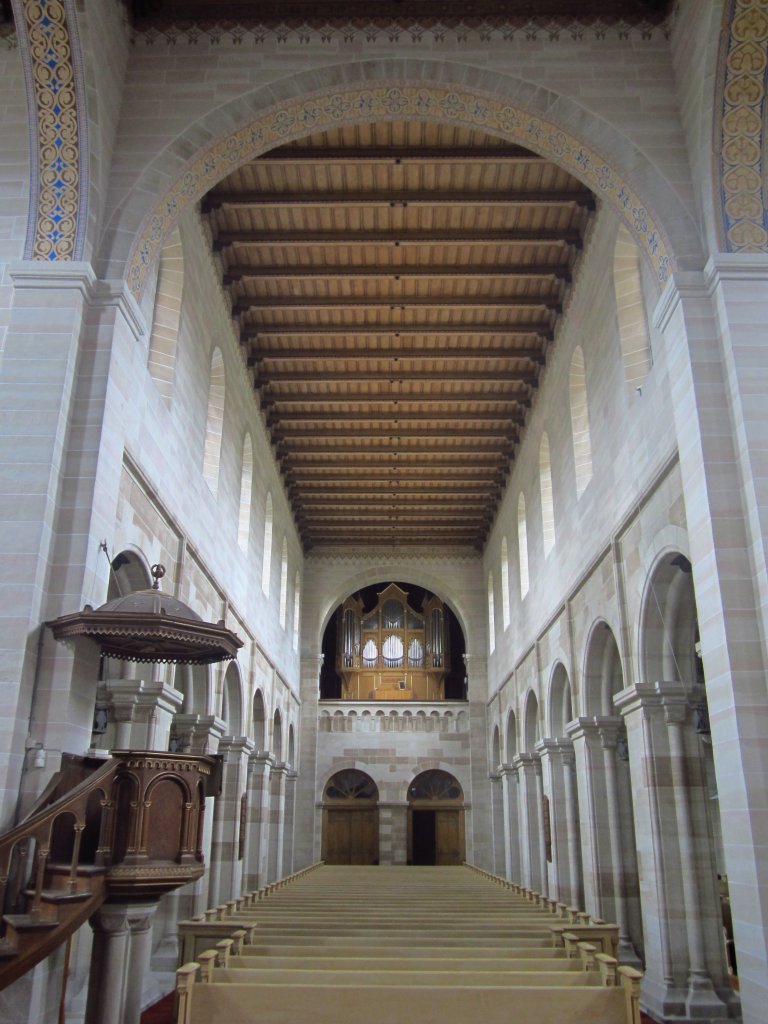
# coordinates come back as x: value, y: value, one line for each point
x: 395, y: 30
x: 284, y: 123
x: 50, y: 53
x: 742, y: 73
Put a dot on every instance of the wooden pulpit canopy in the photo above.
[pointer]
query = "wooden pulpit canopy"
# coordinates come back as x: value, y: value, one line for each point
x: 150, y: 626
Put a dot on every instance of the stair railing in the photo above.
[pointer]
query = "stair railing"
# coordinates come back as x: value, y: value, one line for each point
x: 34, y: 836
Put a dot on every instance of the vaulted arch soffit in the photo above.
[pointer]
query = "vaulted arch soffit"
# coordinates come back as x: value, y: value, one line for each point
x: 517, y: 111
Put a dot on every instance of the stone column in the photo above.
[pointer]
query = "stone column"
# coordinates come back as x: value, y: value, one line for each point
x: 712, y: 325
x: 277, y: 779
x: 199, y: 734
x: 531, y: 845
x: 290, y: 807
x: 563, y: 873
x: 260, y: 765
x: 574, y: 827
x: 510, y: 787
x: 588, y: 766
x: 119, y: 962
x: 679, y: 904
x: 498, y: 824
x: 306, y: 845
x: 225, y: 867
x: 609, y: 735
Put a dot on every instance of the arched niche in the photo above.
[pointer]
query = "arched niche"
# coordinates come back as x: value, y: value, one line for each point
x: 669, y: 628
x: 232, y: 701
x: 259, y: 721
x: 603, y: 676
x: 531, y: 728
x: 560, y: 705
x: 277, y: 736
x: 436, y: 819
x: 350, y: 819
x: 511, y: 744
x: 495, y: 749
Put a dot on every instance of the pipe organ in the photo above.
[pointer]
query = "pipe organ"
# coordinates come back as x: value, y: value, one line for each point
x: 393, y: 651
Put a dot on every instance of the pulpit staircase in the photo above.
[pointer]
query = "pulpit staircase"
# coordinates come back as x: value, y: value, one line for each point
x: 88, y: 839
x: 341, y: 945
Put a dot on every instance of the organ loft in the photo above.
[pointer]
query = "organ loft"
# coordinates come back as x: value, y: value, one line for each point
x: 392, y: 651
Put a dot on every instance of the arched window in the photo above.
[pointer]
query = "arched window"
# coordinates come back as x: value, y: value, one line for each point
x: 266, y: 563
x: 630, y: 310
x: 547, y: 506
x: 582, y: 445
x: 215, y: 422
x: 491, y: 615
x: 505, y: 581
x: 246, y: 489
x: 166, y: 316
x: 296, y: 610
x: 283, y: 582
x: 522, y: 545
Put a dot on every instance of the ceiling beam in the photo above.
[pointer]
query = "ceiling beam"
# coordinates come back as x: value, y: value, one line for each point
x: 400, y: 415
x: 491, y: 450
x: 316, y: 488
x: 286, y: 353
x: 398, y: 198
x: 401, y: 400
x: 349, y: 431
x: 412, y: 236
x: 398, y: 376
x: 409, y: 500
x: 247, y: 271
x: 423, y: 466
x: 397, y: 154
x: 279, y: 302
x: 398, y: 330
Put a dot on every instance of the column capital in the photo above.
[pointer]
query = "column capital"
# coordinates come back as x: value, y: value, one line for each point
x: 507, y: 771
x: 144, y: 693
x: 651, y: 698
x: 235, y: 746
x: 260, y: 759
x: 593, y: 727
x: 527, y: 763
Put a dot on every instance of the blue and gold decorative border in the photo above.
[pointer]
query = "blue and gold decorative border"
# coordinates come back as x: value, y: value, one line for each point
x: 293, y: 120
x: 58, y: 200
x: 740, y: 127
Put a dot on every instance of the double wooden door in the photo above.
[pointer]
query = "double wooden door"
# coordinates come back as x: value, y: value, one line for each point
x: 436, y: 836
x: 351, y: 836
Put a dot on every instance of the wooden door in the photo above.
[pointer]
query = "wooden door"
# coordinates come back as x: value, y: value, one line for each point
x: 449, y: 839
x: 351, y: 836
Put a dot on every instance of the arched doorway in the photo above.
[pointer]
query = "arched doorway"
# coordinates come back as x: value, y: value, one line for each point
x: 435, y: 819
x: 350, y: 819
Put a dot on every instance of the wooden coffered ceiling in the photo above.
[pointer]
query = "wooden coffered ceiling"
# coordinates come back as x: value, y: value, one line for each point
x: 397, y: 287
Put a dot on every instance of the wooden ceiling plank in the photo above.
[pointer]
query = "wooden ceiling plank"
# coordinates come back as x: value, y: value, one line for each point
x: 399, y: 399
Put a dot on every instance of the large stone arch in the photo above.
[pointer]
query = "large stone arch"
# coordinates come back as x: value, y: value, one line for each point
x: 405, y: 572
x: 553, y: 125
